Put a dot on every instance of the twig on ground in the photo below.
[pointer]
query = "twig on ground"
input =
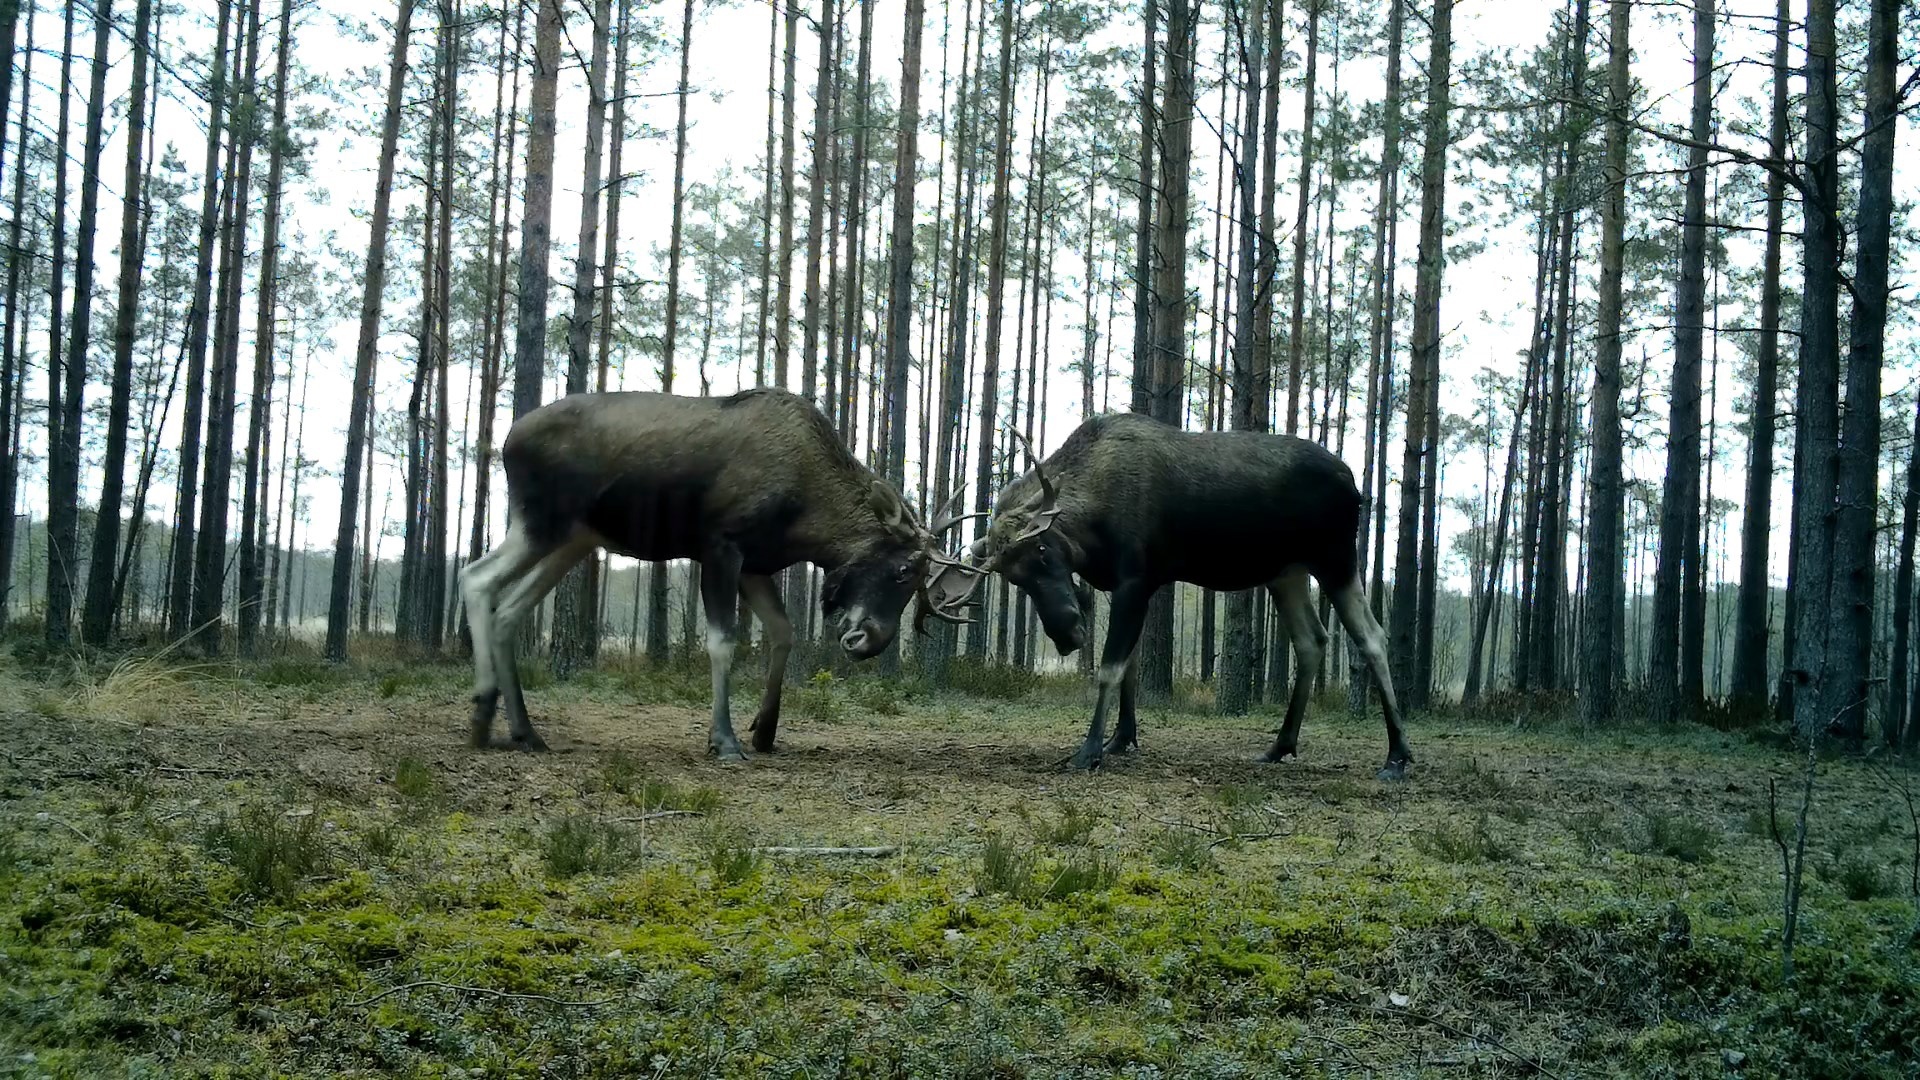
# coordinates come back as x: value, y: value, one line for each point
x: 655, y: 815
x: 856, y: 852
x: 70, y: 826
x: 481, y: 990
x: 1425, y: 1018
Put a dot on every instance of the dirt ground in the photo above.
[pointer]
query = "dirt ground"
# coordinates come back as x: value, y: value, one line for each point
x: 292, y: 870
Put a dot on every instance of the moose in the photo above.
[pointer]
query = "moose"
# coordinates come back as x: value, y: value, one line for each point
x: 747, y: 485
x: 1129, y: 504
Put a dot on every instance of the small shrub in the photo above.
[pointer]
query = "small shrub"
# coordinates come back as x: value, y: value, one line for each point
x: 1005, y: 868
x: 816, y: 699
x: 653, y: 795
x: 1071, y: 828
x: 620, y: 774
x: 1239, y: 796
x: 1593, y: 830
x: 415, y: 782
x: 1480, y: 782
x: 1857, y: 876
x: 1077, y: 875
x: 988, y: 679
x: 880, y: 697
x: 273, y: 854
x: 1456, y: 843
x: 730, y: 858
x: 383, y: 841
x: 1183, y: 849
x: 1676, y: 837
x: 577, y: 844
x: 290, y: 673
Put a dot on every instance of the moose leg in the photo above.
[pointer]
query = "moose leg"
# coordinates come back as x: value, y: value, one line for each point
x: 763, y: 596
x: 1126, y: 734
x: 1350, y: 602
x: 520, y: 600
x: 719, y: 587
x: 1309, y: 638
x: 481, y: 583
x: 1125, y: 618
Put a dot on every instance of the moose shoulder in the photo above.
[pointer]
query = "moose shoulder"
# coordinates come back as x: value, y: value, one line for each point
x: 1129, y: 505
x: 746, y: 485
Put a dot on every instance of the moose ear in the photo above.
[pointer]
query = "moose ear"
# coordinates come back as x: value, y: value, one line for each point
x: 887, y: 506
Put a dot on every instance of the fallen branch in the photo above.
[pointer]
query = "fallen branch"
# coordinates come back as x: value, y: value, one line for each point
x: 656, y: 815
x: 1457, y: 1032
x: 855, y: 852
x: 71, y: 827
x: 481, y: 990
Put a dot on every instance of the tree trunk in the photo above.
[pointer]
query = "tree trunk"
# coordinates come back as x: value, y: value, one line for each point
x: 210, y: 546
x: 63, y: 458
x: 1600, y: 657
x: 1817, y: 391
x: 900, y: 255
x: 1142, y: 397
x: 1847, y: 682
x: 657, y: 591
x: 360, y: 413
x: 1423, y: 363
x: 783, y: 295
x: 575, y: 605
x: 1235, y: 689
x: 13, y: 370
x: 1680, y: 496
x: 96, y: 623
x: 1155, y: 659
x: 1750, y: 645
x: 252, y: 558
x: 996, y: 293
x: 186, y: 518
x: 1296, y: 339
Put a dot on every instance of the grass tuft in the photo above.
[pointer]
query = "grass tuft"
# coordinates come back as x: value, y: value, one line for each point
x: 274, y: 854
x: 1071, y: 828
x: 1675, y: 837
x: 1183, y: 849
x: 729, y: 857
x: 1456, y: 843
x: 577, y: 844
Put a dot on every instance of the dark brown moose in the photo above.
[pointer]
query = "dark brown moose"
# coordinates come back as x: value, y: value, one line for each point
x: 1129, y: 504
x: 746, y: 485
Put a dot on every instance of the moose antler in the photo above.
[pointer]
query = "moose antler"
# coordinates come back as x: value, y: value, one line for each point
x: 947, y: 519
x: 1046, y: 487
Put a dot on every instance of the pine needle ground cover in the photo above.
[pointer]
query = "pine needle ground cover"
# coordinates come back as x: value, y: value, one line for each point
x: 290, y: 870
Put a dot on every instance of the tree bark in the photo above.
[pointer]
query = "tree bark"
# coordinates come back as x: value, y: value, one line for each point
x: 13, y: 370
x: 96, y: 622
x: 1142, y: 396
x: 210, y: 546
x: 63, y: 458
x: 575, y: 605
x: 1750, y: 635
x: 1423, y: 362
x: 1234, y: 692
x: 1600, y: 658
x: 900, y: 257
x: 1155, y: 658
x: 360, y: 413
x: 1297, y: 338
x: 657, y: 584
x: 996, y: 294
x: 1817, y: 391
x: 1847, y: 684
x: 1678, y: 563
x: 252, y: 558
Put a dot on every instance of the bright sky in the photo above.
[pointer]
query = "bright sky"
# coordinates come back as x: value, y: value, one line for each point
x: 1486, y: 309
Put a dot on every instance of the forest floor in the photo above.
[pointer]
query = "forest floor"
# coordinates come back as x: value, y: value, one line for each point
x: 290, y: 869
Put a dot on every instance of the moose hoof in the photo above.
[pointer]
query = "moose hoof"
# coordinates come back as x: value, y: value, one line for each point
x: 481, y: 724
x: 1280, y: 754
x: 763, y: 740
x: 727, y: 753
x: 1086, y: 759
x: 1392, y: 771
x: 528, y: 741
x: 1116, y: 745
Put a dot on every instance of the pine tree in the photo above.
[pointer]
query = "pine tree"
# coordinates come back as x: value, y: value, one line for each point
x: 361, y: 410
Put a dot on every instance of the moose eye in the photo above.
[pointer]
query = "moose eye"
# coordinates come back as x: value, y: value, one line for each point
x: 903, y: 572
